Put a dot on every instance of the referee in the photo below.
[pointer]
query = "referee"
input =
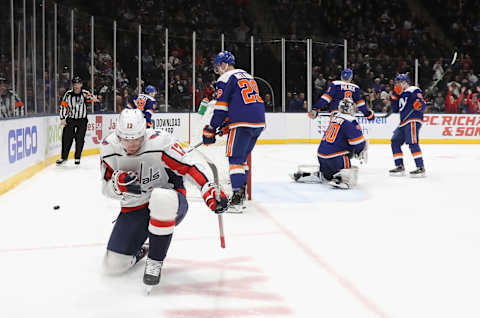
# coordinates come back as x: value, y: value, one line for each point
x: 73, y: 118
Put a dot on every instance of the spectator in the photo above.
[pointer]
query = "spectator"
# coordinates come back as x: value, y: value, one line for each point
x: 472, y: 102
x: 267, y: 100
x: 296, y: 104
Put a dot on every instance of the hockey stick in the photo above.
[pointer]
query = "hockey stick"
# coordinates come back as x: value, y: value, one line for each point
x: 435, y: 83
x: 377, y: 115
x: 217, y: 194
x: 429, y: 90
x: 219, y: 130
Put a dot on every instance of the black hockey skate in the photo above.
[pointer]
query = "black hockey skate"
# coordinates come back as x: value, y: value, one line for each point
x: 151, y: 276
x: 141, y: 253
x: 398, y: 171
x: 60, y: 161
x: 77, y: 161
x: 338, y: 183
x: 418, y: 173
x: 237, y: 201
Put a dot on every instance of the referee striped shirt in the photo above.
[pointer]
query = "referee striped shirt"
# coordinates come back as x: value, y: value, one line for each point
x: 75, y: 105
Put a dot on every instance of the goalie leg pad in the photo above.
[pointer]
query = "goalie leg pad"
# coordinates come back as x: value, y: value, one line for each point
x: 345, y: 178
x: 167, y: 209
x: 307, y: 174
x: 116, y: 263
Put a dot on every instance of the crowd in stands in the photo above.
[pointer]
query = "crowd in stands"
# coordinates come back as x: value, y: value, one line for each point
x: 384, y: 38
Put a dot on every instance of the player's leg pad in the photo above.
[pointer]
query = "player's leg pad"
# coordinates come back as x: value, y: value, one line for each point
x: 115, y: 263
x: 345, y: 178
x: 167, y: 209
x: 307, y: 174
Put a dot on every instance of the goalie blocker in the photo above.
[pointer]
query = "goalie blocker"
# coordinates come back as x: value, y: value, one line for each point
x: 342, y: 140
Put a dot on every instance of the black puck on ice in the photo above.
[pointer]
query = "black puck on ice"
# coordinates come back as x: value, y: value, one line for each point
x: 56, y: 207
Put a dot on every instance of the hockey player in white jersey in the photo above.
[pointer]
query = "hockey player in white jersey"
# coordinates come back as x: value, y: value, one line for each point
x: 144, y: 170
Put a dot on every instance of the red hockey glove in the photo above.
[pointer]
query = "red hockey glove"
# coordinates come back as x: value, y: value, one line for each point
x: 209, y: 191
x: 208, y: 135
x: 126, y: 182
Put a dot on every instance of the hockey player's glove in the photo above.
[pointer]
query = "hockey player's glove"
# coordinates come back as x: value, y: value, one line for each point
x: 397, y: 90
x: 313, y: 114
x: 224, y: 129
x: 417, y: 104
x: 208, y: 135
x: 370, y: 115
x: 209, y: 191
x: 126, y: 182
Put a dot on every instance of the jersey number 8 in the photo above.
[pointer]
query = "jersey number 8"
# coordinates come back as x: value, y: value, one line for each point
x: 250, y: 93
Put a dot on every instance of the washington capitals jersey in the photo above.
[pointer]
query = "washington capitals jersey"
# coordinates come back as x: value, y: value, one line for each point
x: 161, y: 162
x: 146, y: 104
x: 343, y: 136
x: 238, y: 98
x: 410, y: 105
x: 339, y: 90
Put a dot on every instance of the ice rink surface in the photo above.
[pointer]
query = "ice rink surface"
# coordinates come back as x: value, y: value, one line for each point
x: 393, y: 247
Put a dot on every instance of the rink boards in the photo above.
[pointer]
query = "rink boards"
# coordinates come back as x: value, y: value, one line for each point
x: 30, y: 144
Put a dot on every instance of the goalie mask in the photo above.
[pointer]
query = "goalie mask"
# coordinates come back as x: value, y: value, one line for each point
x: 347, y: 106
x: 131, y: 130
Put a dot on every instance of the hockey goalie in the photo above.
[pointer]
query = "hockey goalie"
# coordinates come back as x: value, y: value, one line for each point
x: 342, y: 140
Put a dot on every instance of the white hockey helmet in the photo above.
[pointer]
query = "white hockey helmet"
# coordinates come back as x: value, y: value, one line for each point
x: 347, y: 106
x: 131, y: 124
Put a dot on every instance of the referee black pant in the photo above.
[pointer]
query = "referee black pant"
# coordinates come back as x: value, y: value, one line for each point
x: 74, y: 129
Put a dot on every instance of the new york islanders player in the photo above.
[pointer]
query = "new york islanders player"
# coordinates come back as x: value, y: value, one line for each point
x: 144, y: 170
x: 146, y: 103
x: 238, y: 99
x: 342, y: 140
x: 337, y: 91
x: 408, y: 101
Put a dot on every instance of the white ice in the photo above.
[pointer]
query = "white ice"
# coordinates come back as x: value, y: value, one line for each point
x: 394, y: 247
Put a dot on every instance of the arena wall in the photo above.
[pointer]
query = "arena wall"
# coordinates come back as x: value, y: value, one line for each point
x: 30, y: 144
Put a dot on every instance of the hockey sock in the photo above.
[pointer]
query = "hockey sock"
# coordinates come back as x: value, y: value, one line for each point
x: 417, y: 154
x: 159, y: 245
x: 397, y: 153
x: 237, y: 176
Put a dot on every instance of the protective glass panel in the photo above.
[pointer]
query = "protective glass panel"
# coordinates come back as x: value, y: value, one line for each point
x: 296, y: 75
x: 153, y: 57
x: 103, y: 65
x: 63, y: 50
x: 127, y: 62
x: 327, y: 64
x: 208, y: 44
x: 49, y: 74
x: 6, y: 83
x: 180, y: 76
x: 268, y: 73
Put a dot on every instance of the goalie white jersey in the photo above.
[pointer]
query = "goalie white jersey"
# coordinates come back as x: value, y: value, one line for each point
x: 161, y: 162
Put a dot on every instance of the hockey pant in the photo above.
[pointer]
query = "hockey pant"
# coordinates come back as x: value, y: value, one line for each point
x: 408, y: 134
x: 74, y: 129
x: 240, y: 143
x: 166, y: 209
x: 330, y: 166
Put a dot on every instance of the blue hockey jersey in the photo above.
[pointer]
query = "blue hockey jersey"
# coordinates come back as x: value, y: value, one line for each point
x: 342, y: 137
x: 339, y: 90
x: 146, y: 104
x: 410, y: 105
x: 238, y: 98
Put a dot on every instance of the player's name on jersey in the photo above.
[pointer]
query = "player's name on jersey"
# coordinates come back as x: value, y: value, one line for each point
x: 347, y: 87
